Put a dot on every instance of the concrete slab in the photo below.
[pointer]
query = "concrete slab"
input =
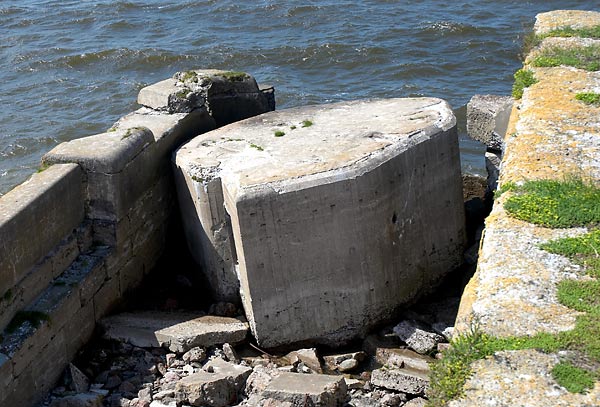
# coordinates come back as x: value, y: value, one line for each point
x: 218, y: 385
x: 407, y: 380
x: 331, y: 217
x: 298, y: 388
x: 179, y: 332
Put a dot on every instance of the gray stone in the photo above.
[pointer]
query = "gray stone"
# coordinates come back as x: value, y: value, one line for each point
x: 487, y: 119
x: 307, y: 356
x: 179, y: 332
x: 348, y: 365
x: 216, y: 386
x: 196, y: 354
x: 399, y: 358
x: 259, y: 379
x: 492, y: 165
x: 255, y: 204
x: 76, y: 380
x: 406, y: 380
x: 79, y: 400
x: 416, y: 335
x: 230, y: 353
x: 298, y: 388
x: 416, y: 402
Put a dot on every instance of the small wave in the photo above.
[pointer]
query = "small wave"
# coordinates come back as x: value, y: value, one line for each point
x: 449, y: 28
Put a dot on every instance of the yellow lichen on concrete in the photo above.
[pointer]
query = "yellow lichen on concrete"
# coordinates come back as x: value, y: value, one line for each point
x: 576, y: 19
x: 551, y: 135
x: 520, y: 378
x: 555, y: 134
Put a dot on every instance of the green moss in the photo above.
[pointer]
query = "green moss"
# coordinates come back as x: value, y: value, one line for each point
x: 590, y: 32
x: 573, y: 378
x: 111, y: 130
x: 587, y: 58
x: 523, y: 79
x: 43, y: 167
x: 233, y: 76
x: 507, y: 186
x: 589, y: 98
x: 293, y: 127
x: 35, y: 318
x: 279, y: 133
x: 307, y: 123
x: 189, y: 76
x: 587, y: 244
x: 197, y: 179
x: 259, y: 148
x: 555, y: 204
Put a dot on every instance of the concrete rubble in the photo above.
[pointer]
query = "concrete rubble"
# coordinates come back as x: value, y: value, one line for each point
x: 126, y: 371
x: 339, y: 182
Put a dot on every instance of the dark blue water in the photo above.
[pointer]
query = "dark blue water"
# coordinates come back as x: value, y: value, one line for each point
x: 71, y: 68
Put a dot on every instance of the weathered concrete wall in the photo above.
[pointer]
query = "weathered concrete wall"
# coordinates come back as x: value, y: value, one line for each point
x: 330, y: 227
x: 75, y: 238
x: 514, y: 291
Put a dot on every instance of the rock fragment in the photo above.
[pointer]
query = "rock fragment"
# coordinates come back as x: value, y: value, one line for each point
x: 417, y: 336
x: 297, y: 388
x: 406, y: 380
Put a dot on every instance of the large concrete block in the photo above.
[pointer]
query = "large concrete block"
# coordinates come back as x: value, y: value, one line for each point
x: 35, y: 217
x: 228, y: 96
x: 332, y: 217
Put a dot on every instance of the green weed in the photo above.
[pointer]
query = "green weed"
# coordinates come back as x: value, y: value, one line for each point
x: 279, y: 133
x: 587, y: 58
x: 524, y: 78
x: 589, y: 98
x: 573, y: 378
x: 555, y: 204
x: 307, y: 123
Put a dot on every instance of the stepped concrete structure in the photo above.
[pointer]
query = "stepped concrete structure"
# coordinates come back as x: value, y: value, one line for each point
x: 551, y: 135
x: 325, y: 219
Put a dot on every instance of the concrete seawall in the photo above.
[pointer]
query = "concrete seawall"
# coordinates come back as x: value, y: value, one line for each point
x: 554, y: 136
x: 80, y: 234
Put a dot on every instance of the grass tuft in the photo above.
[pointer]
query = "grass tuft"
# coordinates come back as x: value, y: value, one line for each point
x: 523, y: 79
x: 589, y: 98
x: 307, y: 123
x: 573, y: 378
x: 590, y: 32
x: 587, y: 58
x: 279, y: 133
x: 555, y: 204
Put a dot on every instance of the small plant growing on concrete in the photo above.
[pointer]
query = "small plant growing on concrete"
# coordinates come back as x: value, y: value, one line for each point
x: 573, y: 378
x: 587, y: 58
x: 589, y: 98
x: 293, y: 127
x: 43, y: 167
x: 259, y: 148
x: 233, y: 76
x: 523, y: 79
x: 307, y: 123
x: 279, y: 133
x: 555, y: 204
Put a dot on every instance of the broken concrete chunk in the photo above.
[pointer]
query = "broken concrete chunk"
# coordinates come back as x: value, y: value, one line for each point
x: 417, y: 336
x: 216, y: 386
x: 406, y: 380
x: 416, y: 402
x: 297, y: 388
x: 308, y: 356
x: 400, y: 358
x: 487, y: 119
x: 258, y: 195
x: 76, y: 380
x: 179, y: 332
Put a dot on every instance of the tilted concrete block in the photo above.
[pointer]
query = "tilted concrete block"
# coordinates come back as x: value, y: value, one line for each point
x: 332, y: 217
x: 487, y: 119
x: 228, y: 96
x: 35, y: 217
